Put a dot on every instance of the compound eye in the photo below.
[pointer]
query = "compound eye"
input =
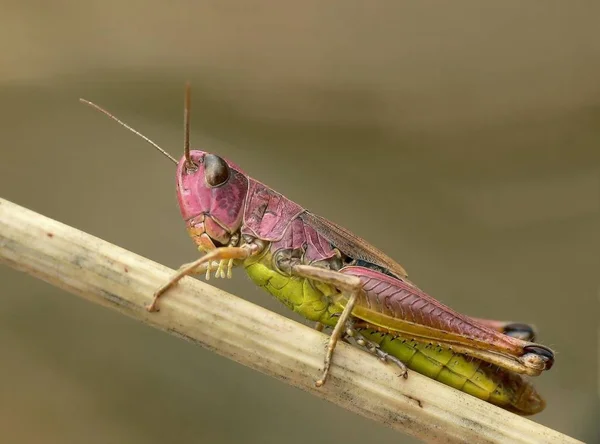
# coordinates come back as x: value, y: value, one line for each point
x: 216, y: 170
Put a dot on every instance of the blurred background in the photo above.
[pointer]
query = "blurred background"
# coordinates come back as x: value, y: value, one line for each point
x: 462, y: 139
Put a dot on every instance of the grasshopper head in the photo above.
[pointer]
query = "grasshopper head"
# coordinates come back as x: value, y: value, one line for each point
x: 211, y: 193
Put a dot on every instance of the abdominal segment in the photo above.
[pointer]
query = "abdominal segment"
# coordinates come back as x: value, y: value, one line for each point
x: 473, y: 376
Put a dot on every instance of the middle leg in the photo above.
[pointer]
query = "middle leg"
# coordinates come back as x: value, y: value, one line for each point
x: 350, y: 285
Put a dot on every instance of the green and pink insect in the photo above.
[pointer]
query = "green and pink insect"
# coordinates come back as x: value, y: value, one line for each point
x: 338, y: 280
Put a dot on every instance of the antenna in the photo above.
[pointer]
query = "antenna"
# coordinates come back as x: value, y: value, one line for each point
x: 134, y: 131
x: 187, y: 108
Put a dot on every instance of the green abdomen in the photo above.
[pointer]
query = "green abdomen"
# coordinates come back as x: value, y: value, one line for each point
x: 473, y: 376
x: 296, y: 293
x: 466, y: 374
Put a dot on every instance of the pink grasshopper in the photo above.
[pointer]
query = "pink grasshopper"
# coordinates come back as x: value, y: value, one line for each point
x: 332, y: 277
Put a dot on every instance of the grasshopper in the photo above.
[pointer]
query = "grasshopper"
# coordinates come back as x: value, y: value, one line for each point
x: 332, y: 277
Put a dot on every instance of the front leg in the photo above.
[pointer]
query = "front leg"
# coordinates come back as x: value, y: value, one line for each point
x: 204, y: 264
x: 351, y: 285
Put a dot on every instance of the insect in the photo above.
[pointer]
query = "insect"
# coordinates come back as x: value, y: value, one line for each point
x: 338, y: 280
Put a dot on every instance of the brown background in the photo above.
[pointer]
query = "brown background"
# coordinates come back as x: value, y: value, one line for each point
x: 463, y: 139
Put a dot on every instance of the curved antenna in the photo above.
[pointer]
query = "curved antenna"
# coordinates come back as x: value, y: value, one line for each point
x: 103, y: 111
x: 187, y: 108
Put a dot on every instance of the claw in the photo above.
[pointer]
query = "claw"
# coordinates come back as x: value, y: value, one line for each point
x: 208, y: 270
x: 386, y: 357
x: 229, y: 268
x: 220, y: 272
